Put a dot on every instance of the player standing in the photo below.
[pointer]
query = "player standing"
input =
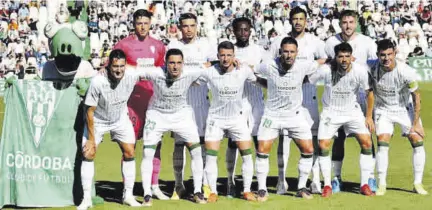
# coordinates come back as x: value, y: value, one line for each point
x: 393, y: 82
x: 196, y: 51
x: 169, y: 111
x: 106, y: 111
x: 310, y: 48
x: 251, y: 55
x: 364, y: 49
x: 284, y: 111
x: 225, y: 116
x: 143, y: 51
x: 342, y: 81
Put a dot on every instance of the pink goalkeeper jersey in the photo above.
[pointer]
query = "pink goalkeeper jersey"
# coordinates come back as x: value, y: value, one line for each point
x: 146, y: 53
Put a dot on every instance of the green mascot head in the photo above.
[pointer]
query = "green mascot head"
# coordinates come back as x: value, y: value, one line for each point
x: 66, y: 47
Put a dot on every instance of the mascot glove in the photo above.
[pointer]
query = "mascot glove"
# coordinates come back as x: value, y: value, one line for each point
x: 82, y: 86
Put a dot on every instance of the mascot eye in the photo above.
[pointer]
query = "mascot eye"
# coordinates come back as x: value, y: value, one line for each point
x: 51, y: 29
x: 80, y: 29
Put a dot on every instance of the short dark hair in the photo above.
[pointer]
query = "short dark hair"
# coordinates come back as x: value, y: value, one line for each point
x: 186, y: 16
x: 295, y: 11
x: 385, y: 44
x: 236, y: 22
x: 116, y: 54
x: 343, y: 47
x: 173, y: 51
x: 141, y: 13
x: 288, y: 40
x: 226, y: 45
x: 347, y: 13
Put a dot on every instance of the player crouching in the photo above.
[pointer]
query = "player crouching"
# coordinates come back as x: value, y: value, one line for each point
x: 106, y: 111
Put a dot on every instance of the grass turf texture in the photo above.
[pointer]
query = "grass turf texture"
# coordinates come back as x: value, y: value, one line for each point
x: 399, y: 195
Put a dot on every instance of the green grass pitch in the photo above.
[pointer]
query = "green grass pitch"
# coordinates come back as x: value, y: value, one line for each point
x: 399, y: 195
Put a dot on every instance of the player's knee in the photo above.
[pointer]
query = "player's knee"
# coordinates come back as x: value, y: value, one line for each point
x: 129, y: 153
x: 89, y: 157
x: 264, y: 148
x: 366, y: 144
x: 324, y: 144
x: 307, y: 150
x: 416, y: 141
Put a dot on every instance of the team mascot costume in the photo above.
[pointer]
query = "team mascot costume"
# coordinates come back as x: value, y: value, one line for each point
x: 41, y: 148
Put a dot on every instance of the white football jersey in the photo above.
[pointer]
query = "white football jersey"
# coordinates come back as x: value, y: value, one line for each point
x: 392, y: 89
x: 284, y: 92
x: 340, y: 89
x: 227, y: 90
x: 195, y: 54
x: 251, y: 55
x: 364, y: 48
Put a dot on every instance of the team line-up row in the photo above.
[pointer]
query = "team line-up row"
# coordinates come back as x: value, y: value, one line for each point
x: 366, y: 91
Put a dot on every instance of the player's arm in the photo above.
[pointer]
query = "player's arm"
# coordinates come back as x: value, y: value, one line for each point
x: 91, y: 102
x: 417, y: 106
x: 369, y: 110
x: 258, y: 73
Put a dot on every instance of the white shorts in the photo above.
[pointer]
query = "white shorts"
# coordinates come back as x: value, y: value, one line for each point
x: 252, y: 114
x: 384, y: 121
x: 296, y: 126
x: 235, y: 128
x: 330, y: 122
x: 122, y: 132
x: 182, y: 123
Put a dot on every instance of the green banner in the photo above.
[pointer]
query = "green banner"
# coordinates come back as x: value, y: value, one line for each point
x: 38, y: 145
x: 423, y: 65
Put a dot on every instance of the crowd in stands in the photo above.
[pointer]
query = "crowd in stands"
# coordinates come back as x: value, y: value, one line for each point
x: 24, y: 48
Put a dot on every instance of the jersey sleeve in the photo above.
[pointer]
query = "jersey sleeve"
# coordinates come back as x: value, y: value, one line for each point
x: 320, y: 50
x: 147, y: 73
x: 329, y: 49
x: 409, y: 78
x: 160, y: 60
x: 261, y: 70
x: 318, y: 75
x: 250, y: 74
x: 93, y: 93
x: 274, y: 47
x: 372, y: 51
x: 364, y: 78
x: 311, y: 67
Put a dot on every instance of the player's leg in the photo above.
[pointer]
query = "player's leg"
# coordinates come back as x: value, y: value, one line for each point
x: 179, y: 161
x: 87, y: 169
x: 239, y: 131
x: 185, y: 127
x: 231, y: 162
x: 338, y: 153
x: 419, y: 156
x: 154, y: 128
x: 326, y: 131
x: 201, y: 124
x: 356, y: 125
x: 213, y: 135
x: 316, y: 183
x: 267, y: 133
x: 282, y: 158
x: 155, y: 175
x: 384, y: 131
x: 125, y: 137
x: 302, y: 136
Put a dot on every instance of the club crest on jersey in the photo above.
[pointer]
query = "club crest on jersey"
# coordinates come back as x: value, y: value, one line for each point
x: 152, y: 49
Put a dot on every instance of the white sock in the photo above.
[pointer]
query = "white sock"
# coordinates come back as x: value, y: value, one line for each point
x: 179, y: 161
x: 337, y: 167
x: 283, y: 156
x: 325, y: 165
x: 366, y: 166
x: 304, y: 169
x: 231, y: 161
x: 197, y: 168
x: 372, y: 174
x: 247, y: 172
x: 147, y: 170
x: 262, y: 169
x: 128, y: 172
x: 203, y: 155
x: 419, y: 159
x: 316, y: 171
x: 211, y: 171
x: 87, y: 174
x: 382, y: 164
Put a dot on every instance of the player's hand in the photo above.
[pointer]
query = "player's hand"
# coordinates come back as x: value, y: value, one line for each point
x: 418, y: 129
x: 89, y: 150
x: 370, y: 124
x: 102, y: 71
x: 237, y: 63
x: 207, y: 64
